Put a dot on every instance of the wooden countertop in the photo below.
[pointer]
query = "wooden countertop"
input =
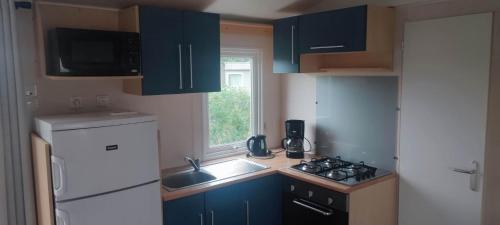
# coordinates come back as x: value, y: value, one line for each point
x: 279, y: 164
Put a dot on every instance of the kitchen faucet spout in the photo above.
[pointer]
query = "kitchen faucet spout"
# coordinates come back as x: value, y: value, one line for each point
x: 195, y: 163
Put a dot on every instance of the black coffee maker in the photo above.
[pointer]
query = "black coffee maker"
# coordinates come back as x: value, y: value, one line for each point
x: 294, y: 141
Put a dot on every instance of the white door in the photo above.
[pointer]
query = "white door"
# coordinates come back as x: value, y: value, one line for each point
x: 96, y: 160
x: 136, y: 206
x: 443, y: 119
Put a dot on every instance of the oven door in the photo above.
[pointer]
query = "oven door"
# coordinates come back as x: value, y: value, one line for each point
x: 299, y: 211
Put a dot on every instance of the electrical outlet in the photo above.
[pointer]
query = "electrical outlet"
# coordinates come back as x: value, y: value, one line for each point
x: 76, y: 103
x: 31, y: 91
x: 102, y: 101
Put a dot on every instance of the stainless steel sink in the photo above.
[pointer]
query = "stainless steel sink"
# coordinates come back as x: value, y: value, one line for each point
x: 210, y: 173
x: 186, y: 179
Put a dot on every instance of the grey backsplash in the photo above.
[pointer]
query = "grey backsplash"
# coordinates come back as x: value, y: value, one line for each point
x: 357, y: 119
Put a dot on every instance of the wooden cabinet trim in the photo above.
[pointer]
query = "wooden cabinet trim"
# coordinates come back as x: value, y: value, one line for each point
x: 42, y: 172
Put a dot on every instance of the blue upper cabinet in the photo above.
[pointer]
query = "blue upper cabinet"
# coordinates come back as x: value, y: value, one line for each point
x: 286, y: 54
x: 180, y: 52
x: 225, y: 206
x: 185, y: 211
x: 161, y: 35
x: 342, y: 30
x: 202, y: 52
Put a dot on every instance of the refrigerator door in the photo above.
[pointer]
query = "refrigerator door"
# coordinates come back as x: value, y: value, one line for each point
x: 136, y: 206
x: 97, y: 160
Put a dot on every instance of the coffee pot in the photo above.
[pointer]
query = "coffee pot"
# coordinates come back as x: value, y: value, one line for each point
x: 293, y: 143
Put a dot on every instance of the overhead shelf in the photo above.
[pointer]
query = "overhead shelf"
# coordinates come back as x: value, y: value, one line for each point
x: 375, y: 71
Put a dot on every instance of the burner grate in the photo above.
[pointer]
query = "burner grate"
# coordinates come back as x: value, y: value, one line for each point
x: 336, y: 169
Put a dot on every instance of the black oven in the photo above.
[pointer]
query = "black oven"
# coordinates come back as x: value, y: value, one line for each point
x: 307, y: 204
x: 76, y: 52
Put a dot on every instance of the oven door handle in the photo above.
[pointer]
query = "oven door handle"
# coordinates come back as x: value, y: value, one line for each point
x: 312, y: 206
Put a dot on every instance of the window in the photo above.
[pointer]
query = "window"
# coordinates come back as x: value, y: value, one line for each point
x: 234, y: 114
x: 235, y: 80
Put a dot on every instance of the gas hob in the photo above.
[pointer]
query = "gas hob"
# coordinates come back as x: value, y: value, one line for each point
x: 338, y: 170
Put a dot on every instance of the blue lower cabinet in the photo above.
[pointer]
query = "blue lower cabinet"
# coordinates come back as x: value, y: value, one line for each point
x: 255, y: 202
x: 185, y: 211
x: 225, y: 206
x: 264, y: 201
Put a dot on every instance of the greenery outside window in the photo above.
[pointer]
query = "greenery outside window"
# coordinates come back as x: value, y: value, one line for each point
x: 234, y: 114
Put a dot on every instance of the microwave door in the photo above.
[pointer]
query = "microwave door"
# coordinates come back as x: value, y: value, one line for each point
x: 91, y: 56
x: 74, y: 52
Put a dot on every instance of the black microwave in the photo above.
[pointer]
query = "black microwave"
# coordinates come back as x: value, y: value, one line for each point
x: 76, y: 52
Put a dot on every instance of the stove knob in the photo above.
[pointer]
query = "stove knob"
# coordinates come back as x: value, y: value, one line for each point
x: 330, y: 201
x: 358, y: 177
x: 292, y: 188
x: 310, y: 194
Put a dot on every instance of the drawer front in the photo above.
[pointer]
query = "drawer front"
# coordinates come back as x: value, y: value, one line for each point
x: 96, y: 160
x: 316, y: 194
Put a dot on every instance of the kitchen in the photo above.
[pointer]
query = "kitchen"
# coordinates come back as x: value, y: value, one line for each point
x: 371, y: 125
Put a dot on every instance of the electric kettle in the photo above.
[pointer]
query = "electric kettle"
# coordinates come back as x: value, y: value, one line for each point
x: 257, y: 145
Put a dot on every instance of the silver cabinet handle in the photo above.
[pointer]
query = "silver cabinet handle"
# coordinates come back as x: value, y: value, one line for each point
x: 180, y: 67
x: 247, y: 205
x: 212, y: 217
x: 310, y: 205
x: 293, y: 31
x: 474, y: 175
x: 191, y: 63
x: 326, y: 47
x: 201, y: 218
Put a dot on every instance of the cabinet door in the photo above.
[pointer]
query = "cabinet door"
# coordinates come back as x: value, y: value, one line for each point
x: 202, y: 52
x: 185, y: 211
x: 341, y: 30
x: 161, y: 40
x: 263, y: 201
x: 225, y: 206
x: 286, y: 56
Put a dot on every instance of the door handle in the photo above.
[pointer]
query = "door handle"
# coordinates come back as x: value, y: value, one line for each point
x: 62, y: 217
x: 58, y: 165
x: 473, y: 173
x: 212, y: 217
x: 314, y: 207
x: 247, y: 205
x: 180, y: 67
x: 191, y: 63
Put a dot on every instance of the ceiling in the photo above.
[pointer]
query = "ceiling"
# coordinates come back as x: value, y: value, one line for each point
x: 248, y: 10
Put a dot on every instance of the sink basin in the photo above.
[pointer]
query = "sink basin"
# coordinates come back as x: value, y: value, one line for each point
x: 211, y: 172
x: 186, y: 179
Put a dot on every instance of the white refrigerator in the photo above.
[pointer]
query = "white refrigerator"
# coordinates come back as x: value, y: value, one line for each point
x: 105, y: 168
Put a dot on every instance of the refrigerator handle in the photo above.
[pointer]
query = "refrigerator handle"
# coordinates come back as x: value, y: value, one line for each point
x: 62, y: 217
x: 58, y: 175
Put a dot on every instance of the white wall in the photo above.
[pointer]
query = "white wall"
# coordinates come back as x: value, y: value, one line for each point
x: 180, y: 116
x: 298, y: 101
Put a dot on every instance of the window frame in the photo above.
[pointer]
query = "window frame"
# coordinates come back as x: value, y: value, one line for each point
x: 256, y: 107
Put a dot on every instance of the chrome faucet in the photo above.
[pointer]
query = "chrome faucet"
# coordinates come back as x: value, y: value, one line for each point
x: 195, y: 163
